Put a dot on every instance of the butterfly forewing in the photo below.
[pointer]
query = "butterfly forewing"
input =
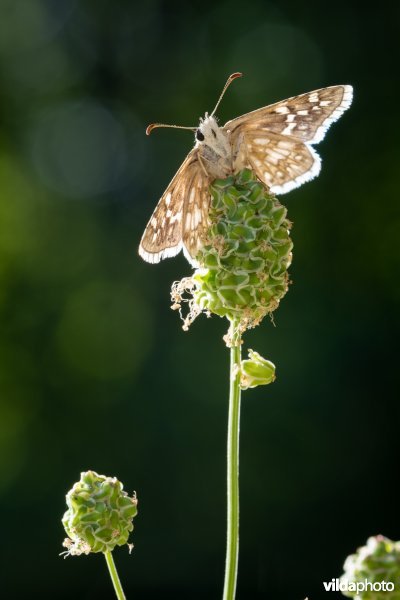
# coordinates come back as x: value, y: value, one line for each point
x: 178, y: 219
x: 305, y: 117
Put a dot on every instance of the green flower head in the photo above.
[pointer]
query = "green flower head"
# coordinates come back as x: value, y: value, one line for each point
x: 243, y: 265
x: 99, y: 515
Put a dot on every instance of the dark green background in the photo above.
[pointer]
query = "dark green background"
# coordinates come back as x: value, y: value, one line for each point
x: 95, y: 370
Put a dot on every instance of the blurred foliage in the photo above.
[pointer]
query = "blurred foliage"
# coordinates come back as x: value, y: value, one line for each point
x: 95, y: 371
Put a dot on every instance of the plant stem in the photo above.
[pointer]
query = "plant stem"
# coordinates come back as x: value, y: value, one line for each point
x: 232, y: 543
x: 114, y: 575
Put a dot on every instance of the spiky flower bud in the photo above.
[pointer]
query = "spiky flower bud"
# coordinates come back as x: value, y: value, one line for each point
x: 255, y: 371
x: 99, y: 515
x: 373, y: 572
x: 243, y: 264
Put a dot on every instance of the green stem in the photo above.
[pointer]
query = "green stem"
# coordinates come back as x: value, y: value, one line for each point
x: 114, y: 575
x: 232, y: 544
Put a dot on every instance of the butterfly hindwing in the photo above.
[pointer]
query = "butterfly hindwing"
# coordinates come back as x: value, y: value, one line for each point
x: 281, y: 162
x: 172, y: 224
x: 195, y: 214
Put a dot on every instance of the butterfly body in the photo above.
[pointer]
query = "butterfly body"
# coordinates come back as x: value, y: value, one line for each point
x: 274, y: 141
x: 214, y: 148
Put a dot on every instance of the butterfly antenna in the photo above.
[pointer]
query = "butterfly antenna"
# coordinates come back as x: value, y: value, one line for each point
x: 155, y: 125
x: 227, y: 84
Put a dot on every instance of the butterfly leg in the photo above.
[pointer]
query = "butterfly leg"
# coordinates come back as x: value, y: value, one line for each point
x: 202, y: 165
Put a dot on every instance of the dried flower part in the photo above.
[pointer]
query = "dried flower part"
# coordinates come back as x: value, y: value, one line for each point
x: 368, y: 572
x: 99, y: 515
x: 256, y: 371
x: 243, y: 264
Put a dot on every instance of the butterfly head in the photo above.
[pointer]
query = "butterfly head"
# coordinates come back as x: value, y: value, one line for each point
x: 208, y: 131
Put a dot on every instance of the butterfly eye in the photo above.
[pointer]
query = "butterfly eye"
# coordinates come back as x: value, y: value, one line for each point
x: 199, y: 135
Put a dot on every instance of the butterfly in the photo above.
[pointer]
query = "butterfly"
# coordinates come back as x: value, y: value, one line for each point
x: 276, y: 142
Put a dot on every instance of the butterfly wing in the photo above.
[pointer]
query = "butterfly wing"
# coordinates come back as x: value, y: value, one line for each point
x: 281, y: 162
x: 276, y: 140
x: 305, y: 117
x: 195, y: 214
x: 179, y: 217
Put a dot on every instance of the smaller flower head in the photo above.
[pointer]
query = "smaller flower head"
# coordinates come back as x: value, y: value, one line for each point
x: 99, y: 515
x: 376, y: 564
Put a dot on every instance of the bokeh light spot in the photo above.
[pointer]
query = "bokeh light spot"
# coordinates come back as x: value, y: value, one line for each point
x: 79, y: 149
x: 105, y: 331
